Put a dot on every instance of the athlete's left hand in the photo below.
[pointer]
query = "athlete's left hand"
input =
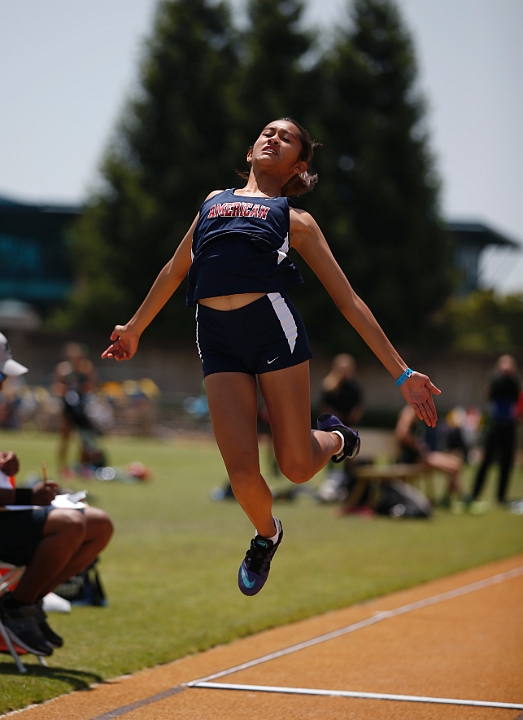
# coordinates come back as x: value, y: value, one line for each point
x: 417, y: 391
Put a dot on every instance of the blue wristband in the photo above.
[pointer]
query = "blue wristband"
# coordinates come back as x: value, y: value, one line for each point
x: 408, y: 372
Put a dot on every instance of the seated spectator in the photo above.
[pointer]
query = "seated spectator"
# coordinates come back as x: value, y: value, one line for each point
x: 53, y: 543
x: 414, y: 450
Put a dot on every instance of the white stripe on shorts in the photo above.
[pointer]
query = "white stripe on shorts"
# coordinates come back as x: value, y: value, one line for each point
x: 197, y: 335
x: 285, y: 317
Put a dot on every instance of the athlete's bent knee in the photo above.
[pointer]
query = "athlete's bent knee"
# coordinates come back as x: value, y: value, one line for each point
x: 296, y: 472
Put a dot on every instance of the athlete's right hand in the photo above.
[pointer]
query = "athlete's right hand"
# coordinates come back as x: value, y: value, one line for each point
x: 124, y: 345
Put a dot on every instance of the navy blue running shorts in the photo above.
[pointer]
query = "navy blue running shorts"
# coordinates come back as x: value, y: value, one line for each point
x: 266, y: 335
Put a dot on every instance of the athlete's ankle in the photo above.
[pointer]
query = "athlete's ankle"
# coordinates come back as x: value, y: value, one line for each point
x: 342, y: 442
x: 274, y: 534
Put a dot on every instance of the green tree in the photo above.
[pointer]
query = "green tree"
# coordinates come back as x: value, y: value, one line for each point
x: 171, y: 148
x: 377, y: 199
x: 273, y: 81
x: 485, y: 323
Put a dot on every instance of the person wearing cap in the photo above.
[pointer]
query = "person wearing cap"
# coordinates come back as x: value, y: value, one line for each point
x: 8, y: 366
x: 53, y: 543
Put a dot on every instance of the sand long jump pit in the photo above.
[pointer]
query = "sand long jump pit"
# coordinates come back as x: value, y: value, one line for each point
x: 451, y: 648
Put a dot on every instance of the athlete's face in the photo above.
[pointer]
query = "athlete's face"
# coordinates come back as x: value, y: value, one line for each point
x: 279, y: 147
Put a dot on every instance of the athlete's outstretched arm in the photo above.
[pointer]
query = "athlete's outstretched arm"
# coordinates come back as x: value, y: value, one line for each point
x: 308, y: 240
x: 125, y: 338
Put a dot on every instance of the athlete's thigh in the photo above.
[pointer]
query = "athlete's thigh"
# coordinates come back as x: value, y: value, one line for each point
x: 286, y: 394
x: 233, y: 407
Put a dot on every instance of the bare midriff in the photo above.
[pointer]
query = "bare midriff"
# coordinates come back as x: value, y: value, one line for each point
x: 230, y: 302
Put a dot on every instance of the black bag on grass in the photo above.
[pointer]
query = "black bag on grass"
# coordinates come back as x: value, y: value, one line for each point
x: 84, y: 589
x: 398, y: 499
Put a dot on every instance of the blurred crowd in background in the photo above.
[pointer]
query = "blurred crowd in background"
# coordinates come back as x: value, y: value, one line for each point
x: 80, y: 408
x: 129, y: 407
x: 135, y: 407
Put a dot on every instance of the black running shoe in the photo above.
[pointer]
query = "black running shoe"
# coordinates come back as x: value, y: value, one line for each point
x: 254, y: 570
x: 351, y: 439
x: 21, y: 626
x: 54, y: 640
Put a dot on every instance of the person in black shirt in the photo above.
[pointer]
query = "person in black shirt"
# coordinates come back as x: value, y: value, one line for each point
x: 74, y: 378
x: 341, y: 392
x: 342, y: 396
x: 500, y: 439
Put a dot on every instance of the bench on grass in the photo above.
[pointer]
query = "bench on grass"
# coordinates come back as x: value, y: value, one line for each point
x: 379, y: 447
x: 372, y: 475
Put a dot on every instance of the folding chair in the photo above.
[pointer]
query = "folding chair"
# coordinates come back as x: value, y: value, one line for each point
x: 9, y: 576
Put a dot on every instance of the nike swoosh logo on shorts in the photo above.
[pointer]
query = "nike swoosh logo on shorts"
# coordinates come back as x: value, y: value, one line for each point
x: 269, y: 362
x: 248, y: 583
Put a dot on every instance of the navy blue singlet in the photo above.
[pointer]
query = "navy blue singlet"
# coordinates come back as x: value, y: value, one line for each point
x: 240, y: 245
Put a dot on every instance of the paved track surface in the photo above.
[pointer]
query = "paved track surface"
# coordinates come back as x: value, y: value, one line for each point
x: 466, y: 645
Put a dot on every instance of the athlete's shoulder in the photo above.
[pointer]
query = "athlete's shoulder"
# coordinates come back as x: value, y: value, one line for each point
x: 303, y: 228
x: 213, y: 193
x: 301, y: 219
x: 205, y: 204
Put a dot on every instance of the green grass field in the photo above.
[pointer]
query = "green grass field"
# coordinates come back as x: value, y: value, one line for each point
x: 170, y: 570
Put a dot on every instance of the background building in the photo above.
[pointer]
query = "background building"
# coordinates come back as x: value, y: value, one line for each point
x: 35, y: 265
x: 471, y: 239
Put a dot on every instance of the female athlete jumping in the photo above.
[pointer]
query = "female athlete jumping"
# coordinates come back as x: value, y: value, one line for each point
x: 235, y: 254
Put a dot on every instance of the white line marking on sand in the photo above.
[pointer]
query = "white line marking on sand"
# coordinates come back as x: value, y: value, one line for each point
x: 351, y: 694
x: 377, y: 617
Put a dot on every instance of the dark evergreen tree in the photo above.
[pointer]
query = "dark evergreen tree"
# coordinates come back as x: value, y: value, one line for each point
x: 377, y: 199
x: 273, y: 80
x: 171, y: 149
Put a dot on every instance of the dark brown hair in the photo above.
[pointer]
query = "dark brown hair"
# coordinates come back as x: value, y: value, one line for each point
x: 305, y: 182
